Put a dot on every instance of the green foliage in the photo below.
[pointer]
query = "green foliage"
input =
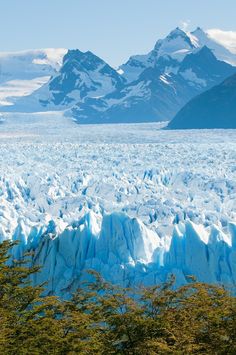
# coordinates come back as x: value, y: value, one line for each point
x: 105, y: 319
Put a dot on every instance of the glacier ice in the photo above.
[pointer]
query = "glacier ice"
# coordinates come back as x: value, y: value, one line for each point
x: 133, y: 202
x: 24, y: 72
x: 126, y: 252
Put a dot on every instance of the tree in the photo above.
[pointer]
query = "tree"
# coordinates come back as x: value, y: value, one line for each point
x: 32, y: 324
x: 101, y: 318
x: 194, y: 319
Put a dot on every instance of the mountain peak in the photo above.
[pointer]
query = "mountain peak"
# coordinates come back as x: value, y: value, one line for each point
x: 72, y: 54
x: 202, y: 38
x: 86, y: 60
x: 177, y: 32
x: 199, y: 33
x: 198, y: 29
x: 78, y: 55
x: 206, y: 52
x: 176, y: 44
x: 173, y: 49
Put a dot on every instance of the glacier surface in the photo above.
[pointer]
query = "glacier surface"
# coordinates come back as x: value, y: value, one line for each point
x: 132, y: 201
x: 24, y: 72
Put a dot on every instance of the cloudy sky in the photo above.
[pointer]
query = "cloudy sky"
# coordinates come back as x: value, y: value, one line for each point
x: 113, y: 29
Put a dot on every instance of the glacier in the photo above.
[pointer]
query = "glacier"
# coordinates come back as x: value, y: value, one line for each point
x: 131, y: 201
x: 24, y: 72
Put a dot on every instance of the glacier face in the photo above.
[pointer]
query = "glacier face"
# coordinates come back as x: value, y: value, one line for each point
x: 133, y: 202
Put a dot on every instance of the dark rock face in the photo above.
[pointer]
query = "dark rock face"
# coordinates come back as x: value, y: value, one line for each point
x: 215, y: 108
x: 77, y: 75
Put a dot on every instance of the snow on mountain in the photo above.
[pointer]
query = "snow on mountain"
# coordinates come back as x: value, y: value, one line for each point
x: 21, y: 73
x: 29, y: 64
x: 157, y: 95
x: 176, y: 46
x: 160, y: 83
x: 12, y: 90
x: 82, y: 75
x: 131, y: 201
x: 152, y: 87
x: 225, y: 38
x: 221, y: 51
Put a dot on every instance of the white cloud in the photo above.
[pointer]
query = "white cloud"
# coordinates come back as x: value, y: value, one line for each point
x: 226, y: 38
x: 184, y: 25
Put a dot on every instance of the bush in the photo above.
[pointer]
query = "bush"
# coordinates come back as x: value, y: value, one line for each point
x: 105, y: 319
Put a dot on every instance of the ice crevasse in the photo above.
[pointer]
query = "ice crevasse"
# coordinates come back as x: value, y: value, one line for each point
x: 126, y: 252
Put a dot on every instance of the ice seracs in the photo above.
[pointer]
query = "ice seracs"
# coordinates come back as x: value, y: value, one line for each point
x: 125, y: 251
x: 132, y: 202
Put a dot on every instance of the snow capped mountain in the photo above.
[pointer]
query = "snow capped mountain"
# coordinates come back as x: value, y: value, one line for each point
x: 175, y: 46
x: 30, y: 64
x: 152, y: 87
x: 219, y: 50
x: 215, y: 108
x: 21, y: 73
x: 158, y: 84
x: 157, y: 95
x: 203, y: 69
x: 81, y: 75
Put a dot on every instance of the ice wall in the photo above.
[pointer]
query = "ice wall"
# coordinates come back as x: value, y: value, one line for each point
x: 126, y: 252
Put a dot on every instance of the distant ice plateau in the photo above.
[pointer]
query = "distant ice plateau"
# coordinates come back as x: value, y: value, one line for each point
x: 131, y: 201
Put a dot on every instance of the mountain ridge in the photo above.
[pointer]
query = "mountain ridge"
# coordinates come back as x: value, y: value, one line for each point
x: 151, y: 87
x: 215, y: 108
x: 156, y: 96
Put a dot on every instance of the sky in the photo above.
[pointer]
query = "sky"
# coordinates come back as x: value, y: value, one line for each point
x: 112, y: 29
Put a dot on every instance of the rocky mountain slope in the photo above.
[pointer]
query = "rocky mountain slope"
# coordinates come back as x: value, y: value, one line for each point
x: 215, y: 108
x: 150, y: 87
x: 81, y: 75
x: 156, y: 95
